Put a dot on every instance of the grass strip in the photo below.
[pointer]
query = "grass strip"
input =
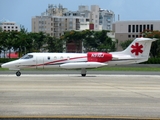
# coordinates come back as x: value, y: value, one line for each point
x: 108, y: 68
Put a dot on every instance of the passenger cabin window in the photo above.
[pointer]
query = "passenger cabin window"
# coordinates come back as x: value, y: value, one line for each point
x: 27, y: 57
x: 55, y: 58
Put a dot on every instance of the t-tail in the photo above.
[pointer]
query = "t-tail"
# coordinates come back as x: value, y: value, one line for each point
x: 137, y: 52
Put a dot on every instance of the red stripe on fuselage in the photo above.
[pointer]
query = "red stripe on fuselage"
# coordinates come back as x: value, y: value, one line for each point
x: 53, y: 62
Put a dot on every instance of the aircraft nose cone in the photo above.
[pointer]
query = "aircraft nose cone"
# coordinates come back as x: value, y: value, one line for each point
x: 11, y: 65
x: 8, y: 65
x: 4, y: 65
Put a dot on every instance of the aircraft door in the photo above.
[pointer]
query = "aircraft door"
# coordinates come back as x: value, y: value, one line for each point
x: 39, y: 62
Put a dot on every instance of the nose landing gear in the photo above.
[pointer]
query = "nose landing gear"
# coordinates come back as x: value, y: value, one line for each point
x: 18, y: 73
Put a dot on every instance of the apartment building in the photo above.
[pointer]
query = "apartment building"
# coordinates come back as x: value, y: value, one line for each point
x: 9, y: 26
x: 55, y: 25
x: 125, y: 30
x: 83, y: 11
x: 106, y: 18
x: 95, y: 16
x: 57, y: 19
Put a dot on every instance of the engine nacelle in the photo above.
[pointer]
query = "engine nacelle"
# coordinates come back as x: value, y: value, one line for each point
x: 98, y: 57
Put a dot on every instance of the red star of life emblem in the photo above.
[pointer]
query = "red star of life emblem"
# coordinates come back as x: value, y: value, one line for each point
x: 136, y: 48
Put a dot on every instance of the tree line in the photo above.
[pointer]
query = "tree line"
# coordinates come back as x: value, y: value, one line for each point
x: 97, y: 41
x: 24, y: 42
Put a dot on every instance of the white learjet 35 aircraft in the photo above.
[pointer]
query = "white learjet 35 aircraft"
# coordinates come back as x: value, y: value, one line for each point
x: 136, y: 52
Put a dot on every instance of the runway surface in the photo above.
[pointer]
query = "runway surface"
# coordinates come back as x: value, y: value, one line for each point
x: 128, y: 96
x: 89, y: 72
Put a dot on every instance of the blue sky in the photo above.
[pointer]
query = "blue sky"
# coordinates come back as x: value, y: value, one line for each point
x: 22, y: 11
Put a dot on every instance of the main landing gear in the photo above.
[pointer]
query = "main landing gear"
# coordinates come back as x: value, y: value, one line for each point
x: 83, y: 72
x: 18, y: 73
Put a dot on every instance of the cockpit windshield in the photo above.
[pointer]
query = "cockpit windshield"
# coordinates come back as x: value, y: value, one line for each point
x: 27, y: 56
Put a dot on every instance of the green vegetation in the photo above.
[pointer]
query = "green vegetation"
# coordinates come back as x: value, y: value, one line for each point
x: 4, y: 60
x: 92, y: 40
x: 125, y: 44
x: 25, y: 42
x: 128, y: 68
x: 152, y: 61
x: 108, y: 68
x: 3, y: 69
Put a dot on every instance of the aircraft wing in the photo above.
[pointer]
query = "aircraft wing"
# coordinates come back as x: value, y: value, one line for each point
x: 82, y: 65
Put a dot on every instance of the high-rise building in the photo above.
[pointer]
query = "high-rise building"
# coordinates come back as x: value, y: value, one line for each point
x: 57, y: 19
x: 55, y: 25
x: 95, y: 16
x: 106, y: 18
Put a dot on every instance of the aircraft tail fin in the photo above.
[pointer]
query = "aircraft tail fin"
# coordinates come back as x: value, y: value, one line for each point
x: 138, y: 50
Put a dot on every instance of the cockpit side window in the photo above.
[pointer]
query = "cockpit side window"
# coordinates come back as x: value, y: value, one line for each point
x: 27, y: 57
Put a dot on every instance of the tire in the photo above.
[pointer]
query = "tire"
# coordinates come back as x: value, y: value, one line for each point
x: 83, y: 75
x: 18, y: 73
